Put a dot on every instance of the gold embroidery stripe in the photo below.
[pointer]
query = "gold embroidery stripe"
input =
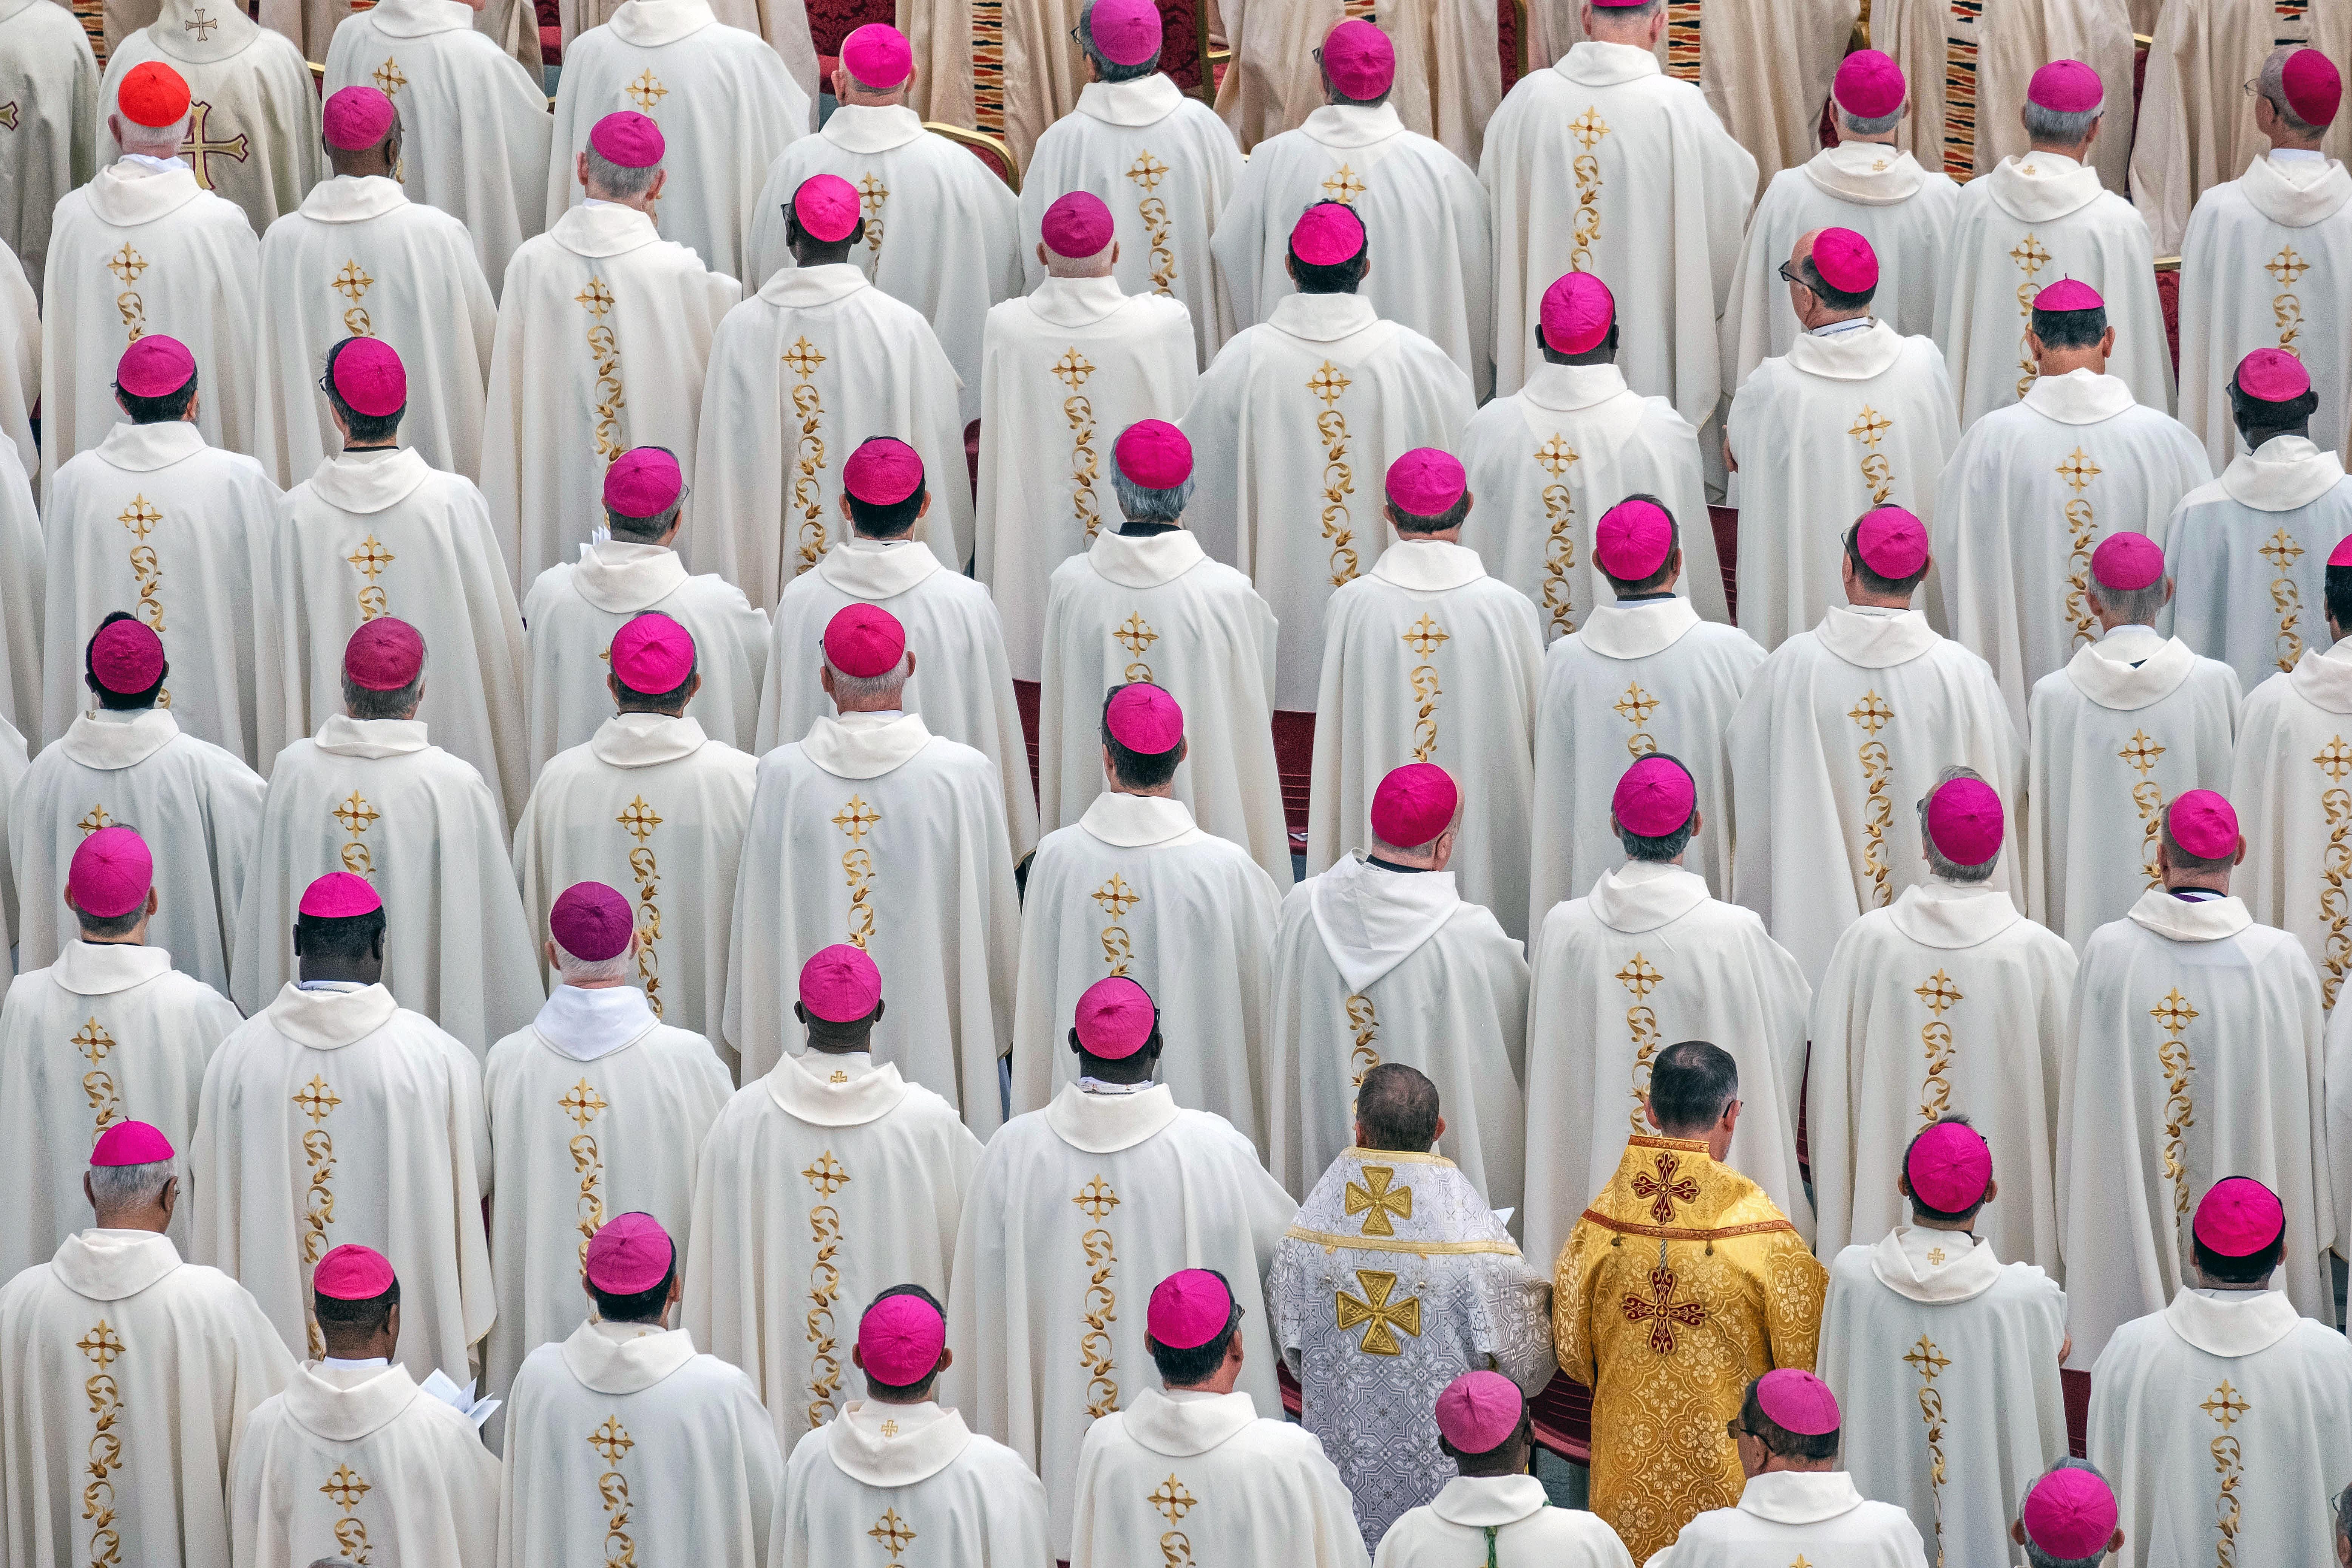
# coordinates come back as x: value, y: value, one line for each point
x: 1331, y: 1243
x: 2334, y: 759
x: 827, y: 1176
x: 101, y: 1346
x: 1676, y: 1233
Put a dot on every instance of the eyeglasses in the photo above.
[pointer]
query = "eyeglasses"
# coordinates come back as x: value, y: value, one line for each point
x: 1789, y: 276
x: 1735, y: 1431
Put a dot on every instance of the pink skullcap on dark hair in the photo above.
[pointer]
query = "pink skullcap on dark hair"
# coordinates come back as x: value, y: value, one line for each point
x: 2312, y: 87
x: 629, y: 1256
x: 1845, y: 261
x: 2239, y: 1217
x: 1478, y: 1412
x: 1078, y: 223
x: 154, y: 366
x: 865, y: 640
x: 882, y: 471
x: 131, y: 1143
x: 1576, y: 313
x: 1950, y: 1167
x: 1358, y: 59
x: 2272, y: 375
x: 1797, y: 1401
x: 357, y: 119
x: 1328, y: 234
x: 2204, y: 824
x: 627, y: 140
x: 2070, y: 1514
x: 878, y: 55
x: 2127, y: 562
x: 644, y: 481
x: 900, y: 1339
x: 127, y: 657
x: 1188, y: 1309
x: 1965, y: 821
x: 383, y: 655
x: 1869, y: 85
x: 841, y: 984
x: 1154, y: 453
x: 1413, y: 804
x: 1114, y: 1019
x: 110, y: 873
x: 2069, y: 294
x: 2065, y: 87
x: 592, y: 921
x: 653, y: 653
x: 1632, y: 539
x: 1653, y: 797
x: 1125, y: 31
x: 1145, y: 718
x: 1427, y: 482
x: 340, y: 896
x: 2342, y: 554
x: 827, y: 207
x: 353, y: 1273
x: 1892, y: 543
x: 370, y: 378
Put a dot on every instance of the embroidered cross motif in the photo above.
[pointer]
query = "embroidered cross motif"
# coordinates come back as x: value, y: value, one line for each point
x: 139, y: 517
x: 1641, y: 979
x: 198, y: 148
x: 1116, y: 897
x: 1800, y: 1562
x: 2078, y: 471
x: 2029, y: 256
x: 345, y: 1487
x: 1343, y: 185
x: 352, y: 282
x: 1555, y: 455
x: 372, y: 557
x: 2225, y: 1407
x: 1871, y: 713
x: 1327, y: 384
x: 2142, y: 753
x: 1666, y: 1189
x: 1636, y: 706
x: 1073, y: 368
x: 1376, y: 1200
x: 1589, y: 127
x: 1426, y: 636
x: 639, y: 821
x: 1926, y: 1359
x: 1148, y: 171
x: 387, y: 77
x: 890, y: 1428
x: 827, y: 1176
x: 100, y: 1344
x: 647, y: 90
x: 127, y: 264
x: 857, y: 818
x: 581, y: 1104
x: 94, y: 821
x: 1661, y: 1311
x: 1134, y: 634
x: 1379, y: 1317
x: 8, y: 114
x: 1870, y: 427
x: 1096, y: 1199
x: 804, y: 357
x: 612, y: 1440
x: 317, y: 1100
x: 2334, y: 759
x: 1172, y: 1500
x: 2287, y: 268
x: 2282, y: 552
x: 94, y: 1041
x: 838, y: 1077
x: 1940, y: 993
x: 2175, y: 1014
x: 893, y: 1532
x: 355, y: 814
x: 201, y: 27
x: 1935, y: 1257
x: 595, y: 299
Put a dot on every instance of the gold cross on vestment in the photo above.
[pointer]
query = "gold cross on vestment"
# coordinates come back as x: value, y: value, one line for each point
x: 1666, y: 1188
x: 872, y: 193
x: 581, y: 1102
x: 2282, y: 552
x: 1172, y: 1500
x: 1870, y: 427
x: 1147, y: 171
x: 2078, y: 471
x: 1555, y: 455
x: 1134, y: 634
x: 387, y: 77
x: 345, y: 1487
x: 890, y: 1428
x: 100, y: 1345
x: 1116, y: 897
x: 8, y: 114
x: 826, y: 1174
x: 1940, y: 993
x: 372, y: 557
x: 352, y: 282
x: 2225, y: 1407
x: 639, y: 820
x: 804, y: 357
x: 1636, y: 706
x: 1926, y: 1359
x: 1800, y: 1562
x: 2142, y: 753
x: 2287, y: 268
x: 612, y: 1440
x: 139, y: 517
x: 1327, y: 384
x: 127, y: 264
x: 1376, y: 1200
x: 94, y: 821
x: 199, y: 148
x: 1871, y: 713
x: 1661, y: 1310
x: 2334, y: 759
x: 1381, y: 1317
x: 1936, y: 1255
x: 1426, y: 636
x: 2175, y: 1014
x: 1097, y: 1198
x: 2030, y: 255
x: 1639, y: 977
x: 595, y: 299
x: 201, y: 27
x: 355, y: 814
x: 1343, y: 185
x: 94, y: 1041
x: 317, y: 1100
x: 647, y: 90
x: 1073, y: 368
x: 893, y: 1532
x: 857, y: 818
x: 1589, y: 127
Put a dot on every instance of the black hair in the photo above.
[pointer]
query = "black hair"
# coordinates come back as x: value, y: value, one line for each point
x: 1692, y: 1083
x: 366, y: 1317
x: 1341, y: 277
x: 367, y: 429
x: 120, y: 701
x: 1663, y: 848
x: 158, y: 410
x: 1778, y: 1439
x: 1182, y: 1369
x: 1398, y: 1106
x: 1837, y: 299
x: 821, y: 252
x: 1872, y: 580
x: 1603, y: 352
x: 674, y: 700
x: 1919, y: 1209
x: 2338, y: 594
x: 642, y: 1307
x: 348, y: 937
x: 1138, y: 770
x: 2251, y: 1269
x: 904, y: 1392
x: 1410, y: 522
x: 891, y: 522
x: 1657, y: 579
x: 2070, y: 329
x: 2251, y: 414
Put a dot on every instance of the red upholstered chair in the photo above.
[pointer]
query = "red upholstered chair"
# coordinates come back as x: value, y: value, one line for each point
x: 1184, y: 47
x: 830, y: 21
x: 990, y: 150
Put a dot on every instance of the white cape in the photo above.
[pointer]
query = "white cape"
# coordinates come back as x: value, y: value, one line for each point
x: 2248, y: 557
x: 2287, y: 784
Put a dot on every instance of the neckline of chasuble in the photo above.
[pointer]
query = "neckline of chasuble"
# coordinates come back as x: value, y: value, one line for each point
x: 1668, y: 1186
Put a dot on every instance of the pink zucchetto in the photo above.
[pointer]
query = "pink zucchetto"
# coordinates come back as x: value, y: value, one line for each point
x: 1078, y: 224
x: 2342, y: 554
x: 879, y: 55
x: 2069, y: 294
x: 131, y: 1143
x: 1478, y: 1412
x: 1892, y: 543
x: 1413, y: 804
x: 110, y: 873
x: 369, y: 376
x: 1632, y: 539
x: 900, y: 1339
x: 340, y: 896
x: 1328, y: 234
x: 1114, y: 1018
x: 1869, y: 85
x: 2070, y: 1514
x: 2065, y: 87
x: 629, y: 1256
x: 1845, y: 261
x: 1125, y: 31
x: 2204, y: 824
x: 652, y: 653
x: 1950, y: 1167
x: 2272, y: 375
x: 627, y: 140
x: 882, y: 471
x: 383, y: 655
x: 1653, y: 797
x: 126, y: 656
x: 1797, y: 1401
x: 592, y: 921
x: 1965, y: 821
x: 353, y: 1273
x: 840, y: 985
x: 2312, y: 87
x: 2127, y: 562
x: 154, y: 366
x: 2239, y: 1217
x: 865, y: 640
x: 827, y: 208
x: 644, y: 481
x: 1359, y: 59
x: 1145, y: 718
x: 357, y: 119
x: 1188, y: 1309
x: 1577, y: 312
x: 1427, y: 482
x: 1154, y: 453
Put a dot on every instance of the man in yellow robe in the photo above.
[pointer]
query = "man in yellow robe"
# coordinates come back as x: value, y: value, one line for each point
x: 1680, y: 1286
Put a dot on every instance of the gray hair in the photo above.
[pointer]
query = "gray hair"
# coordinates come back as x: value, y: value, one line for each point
x: 155, y: 140
x: 644, y: 530
x: 2034, y: 1555
x: 1662, y: 850
x: 364, y: 703
x: 1139, y: 504
x: 1965, y: 875
x: 1641, y: 13
x: 2138, y: 606
x: 860, y: 689
x: 2271, y: 85
x: 2049, y: 126
x: 1332, y: 93
x: 1106, y: 68
x: 609, y: 181
x: 1879, y: 126
x: 113, y: 1188
x: 577, y: 970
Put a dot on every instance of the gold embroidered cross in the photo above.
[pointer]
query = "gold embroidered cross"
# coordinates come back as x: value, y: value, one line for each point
x: 1134, y: 634
x: 2142, y: 753
x: 1097, y: 1198
x: 201, y: 27
x: 647, y: 90
x: 100, y: 1345
x: 612, y: 1440
x: 387, y: 77
x: 317, y: 1100
x: 838, y: 1077
x: 1800, y: 1562
x: 352, y: 282
x: 890, y: 1428
x: 804, y: 357
x: 827, y: 1176
x: 8, y: 114
x: 1639, y: 977
x: 1426, y: 636
x: 1936, y: 1255
x: 595, y: 299
x: 1589, y: 127
x: 581, y: 1104
x: 1555, y: 455
x: 1343, y: 185
x: 893, y: 1532
x: 355, y: 814
x: 857, y: 818
x: 1376, y: 1200
x: 345, y: 1487
x: 94, y: 1041
x: 872, y: 193
x: 372, y: 557
x: 94, y: 821
x: 2030, y: 255
x: 1381, y: 1317
x: 1667, y: 1188
x: 1116, y: 897
x: 200, y: 149
x: 1327, y: 384
x: 2175, y: 1012
x: 2282, y: 552
x: 1661, y: 1311
x: 1636, y: 706
x: 2078, y: 471
x: 639, y: 820
x: 1073, y: 368
x: 2334, y: 759
x: 1172, y: 1500
x: 1871, y: 713
x: 2287, y: 268
x: 1147, y: 171
x: 1926, y: 1359
x: 1870, y: 427
x: 2225, y: 1407
x: 1940, y: 993
x: 139, y: 517
x: 127, y: 264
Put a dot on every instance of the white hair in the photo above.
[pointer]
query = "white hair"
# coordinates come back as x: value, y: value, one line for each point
x: 849, y: 689
x: 2061, y: 130
x: 2134, y: 606
x: 608, y: 179
x: 155, y: 140
x: 578, y: 970
x: 2271, y: 85
x: 1641, y: 13
x: 113, y: 1188
x: 1878, y: 126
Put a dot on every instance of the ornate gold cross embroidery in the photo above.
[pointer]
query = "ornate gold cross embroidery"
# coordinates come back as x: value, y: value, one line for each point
x: 139, y: 517
x: 1666, y: 1188
x: 355, y: 814
x: 1589, y: 127
x: 1424, y: 637
x: 2287, y: 268
x: 1096, y: 1199
x: 2335, y: 759
x: 595, y: 299
x: 581, y: 1102
x: 1134, y: 634
x: 1642, y: 1026
x: 1376, y: 1200
x: 893, y: 1532
x: 351, y: 282
x: 316, y: 1099
x: 826, y: 1174
x: 94, y: 821
x: 1342, y: 185
x: 1554, y: 457
x: 871, y: 193
x: 1936, y: 1040
x: 1871, y: 713
x: 612, y: 1440
x: 1380, y: 1318
x: 1636, y: 706
x: 1929, y: 1363
x: 1938, y: 992
x: 857, y: 818
x: 2224, y: 1405
x: 1117, y: 898
x: 2282, y: 552
x: 345, y: 1487
x: 1072, y: 369
x: 647, y: 90
x: 2078, y: 471
x: 2173, y: 1015
x: 387, y: 77
x: 199, y: 148
x: 1172, y: 1500
x: 1661, y: 1310
x: 2030, y: 255
x: 1147, y: 171
x: 804, y: 357
x: 100, y: 1344
x: 127, y: 264
x: 639, y: 819
x: 1327, y: 384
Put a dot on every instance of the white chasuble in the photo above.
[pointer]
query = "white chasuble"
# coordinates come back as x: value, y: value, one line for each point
x: 572, y: 611
x: 1447, y: 85
x: 873, y: 831
x: 962, y: 685
x: 22, y: 590
x: 2287, y: 782
x: 956, y: 223
x: 1432, y: 1287
x: 1842, y: 423
x: 2031, y: 221
x: 1968, y: 67
x: 134, y: 252
x: 336, y: 1115
x: 823, y: 359
x: 2248, y: 557
x: 1077, y: 1212
x: 1944, y: 1360
x: 474, y: 127
x: 126, y: 1379
x: 49, y: 71
x: 380, y: 533
x: 1239, y: 1484
x: 1153, y: 606
x: 1646, y: 959
x: 367, y: 1460
x: 2131, y: 721
x: 604, y: 333
x: 1656, y: 202
x: 2263, y: 268
x: 1065, y: 368
x: 20, y: 340
x: 909, y: 1472
x: 375, y: 798
x: 2196, y: 1055
x: 359, y: 259
x: 2029, y: 495
x: 13, y: 764
x: 1373, y: 965
x: 1428, y: 660
x: 652, y: 806
x: 1547, y: 460
x: 1949, y: 1003
x: 198, y: 807
x: 1879, y: 192
x: 598, y: 1108
x: 1842, y: 730
x: 1425, y: 215
x: 109, y: 1032
x: 1136, y: 889
x: 819, y: 1187
x: 159, y: 522
x: 2220, y: 1421
x: 623, y: 1435
x: 1641, y: 675
x: 1300, y: 418
x: 738, y: 108
x: 1788, y: 1513
x: 253, y: 126
x: 1512, y: 1513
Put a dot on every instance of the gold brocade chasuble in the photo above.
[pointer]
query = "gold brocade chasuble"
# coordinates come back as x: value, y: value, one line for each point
x: 1681, y: 1284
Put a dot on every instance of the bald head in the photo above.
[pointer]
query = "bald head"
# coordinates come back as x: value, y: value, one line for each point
x: 1817, y: 304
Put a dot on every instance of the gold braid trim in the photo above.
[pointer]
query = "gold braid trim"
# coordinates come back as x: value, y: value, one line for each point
x: 2334, y: 759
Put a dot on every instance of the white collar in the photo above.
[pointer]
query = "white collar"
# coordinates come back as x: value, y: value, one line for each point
x: 109, y: 1265
x: 1643, y: 895
x: 1322, y: 318
x: 113, y: 739
x: 107, y: 968
x: 1372, y: 920
x: 611, y: 1364
x: 2297, y: 155
x: 865, y: 745
x: 152, y: 165
x: 369, y: 481
x: 1076, y: 302
x: 144, y: 448
x: 1595, y: 63
x: 645, y: 739
x: 869, y: 128
x: 878, y: 568
x: 329, y: 1020
x: 801, y: 1088
x: 127, y: 196
x: 1428, y: 565
x: 1182, y: 1428
x: 1867, y: 173
x: 806, y: 288
x: 1345, y: 127
x: 1144, y: 562
x: 2036, y: 187
x: 2239, y: 1325
x: 2324, y: 679
x: 1490, y: 1503
x: 339, y: 1412
x: 622, y: 577
x: 1106, y: 1123
x: 1941, y: 914
x: 1800, y: 1497
x: 420, y: 18
x: 2179, y: 920
x: 341, y: 735
x: 650, y: 23
x: 1935, y: 1267
x: 2283, y: 474
x: 1876, y: 639
x: 2078, y: 397
x: 608, y: 228
x: 352, y: 198
x: 1139, y: 821
x: 895, y: 1445
x: 1571, y: 388
x: 1866, y: 348
x: 586, y: 1022
x: 2107, y: 673
x: 2295, y: 188
x: 1638, y: 629
x: 1146, y: 101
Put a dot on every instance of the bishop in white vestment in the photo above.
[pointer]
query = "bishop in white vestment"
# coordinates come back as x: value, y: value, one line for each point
x: 335, y: 1114
x: 20, y: 350
x: 784, y: 26
x: 1487, y: 1428
x: 1451, y: 80
x: 49, y: 72
x: 1973, y: 75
